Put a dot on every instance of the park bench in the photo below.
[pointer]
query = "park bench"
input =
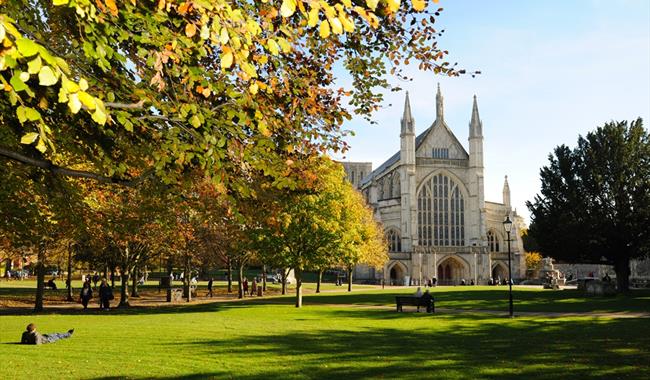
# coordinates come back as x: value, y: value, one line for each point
x: 414, y: 301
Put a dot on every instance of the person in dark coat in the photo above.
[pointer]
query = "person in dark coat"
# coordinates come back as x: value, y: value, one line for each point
x: 31, y: 336
x: 428, y: 299
x: 51, y: 284
x: 210, y: 287
x: 86, y: 294
x: 105, y: 295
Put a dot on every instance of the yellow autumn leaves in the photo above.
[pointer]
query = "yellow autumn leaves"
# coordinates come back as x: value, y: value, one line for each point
x: 24, y: 58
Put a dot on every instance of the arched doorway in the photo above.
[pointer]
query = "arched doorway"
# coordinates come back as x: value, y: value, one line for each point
x: 451, y: 272
x: 499, y: 273
x: 397, y: 273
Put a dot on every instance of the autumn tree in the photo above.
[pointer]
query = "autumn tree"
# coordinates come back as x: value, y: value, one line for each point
x: 114, y: 91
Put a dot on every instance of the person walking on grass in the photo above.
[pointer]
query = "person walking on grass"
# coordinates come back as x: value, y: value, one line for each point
x: 245, y: 286
x: 86, y: 294
x: 105, y: 295
x: 31, y: 336
x: 210, y: 287
x: 254, y: 286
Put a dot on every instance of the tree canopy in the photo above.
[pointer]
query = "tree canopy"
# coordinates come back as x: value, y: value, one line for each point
x: 115, y: 91
x: 594, y: 205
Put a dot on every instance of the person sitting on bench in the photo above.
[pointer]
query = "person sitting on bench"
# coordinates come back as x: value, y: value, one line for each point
x: 51, y: 284
x: 31, y: 336
x: 427, y: 298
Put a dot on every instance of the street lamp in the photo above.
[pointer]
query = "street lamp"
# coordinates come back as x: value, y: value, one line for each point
x: 507, y: 225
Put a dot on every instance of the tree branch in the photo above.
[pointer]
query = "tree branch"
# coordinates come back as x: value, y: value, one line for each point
x: 59, y: 170
x: 137, y: 105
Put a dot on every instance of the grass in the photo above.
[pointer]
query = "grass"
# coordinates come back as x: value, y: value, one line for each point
x: 268, y: 338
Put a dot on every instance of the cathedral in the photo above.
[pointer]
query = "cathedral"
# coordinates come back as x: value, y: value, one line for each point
x: 429, y: 197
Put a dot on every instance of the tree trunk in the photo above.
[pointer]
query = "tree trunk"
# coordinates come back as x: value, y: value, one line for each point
x: 298, y: 275
x: 622, y: 268
x: 134, y: 283
x: 113, y: 277
x: 169, y: 276
x: 350, y: 270
x: 187, y: 281
x: 284, y: 275
x: 70, y: 299
x: 40, y: 277
x: 240, y: 285
x: 229, y: 276
x: 264, y: 278
x: 124, y: 291
x: 319, y: 281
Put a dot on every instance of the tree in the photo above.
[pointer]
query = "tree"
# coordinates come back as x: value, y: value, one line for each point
x: 594, y: 204
x: 320, y: 226
x: 115, y: 91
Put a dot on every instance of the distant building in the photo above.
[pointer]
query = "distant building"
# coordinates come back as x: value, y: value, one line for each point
x: 430, y: 198
x: 356, y: 171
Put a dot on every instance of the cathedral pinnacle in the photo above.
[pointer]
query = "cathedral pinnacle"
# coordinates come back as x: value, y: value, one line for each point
x: 407, y: 118
x: 439, y: 106
x: 475, y: 125
x: 506, y: 192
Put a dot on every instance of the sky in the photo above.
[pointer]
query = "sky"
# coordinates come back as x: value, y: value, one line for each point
x: 551, y: 71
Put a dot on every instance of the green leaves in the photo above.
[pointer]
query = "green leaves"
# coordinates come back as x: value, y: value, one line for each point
x: 27, y: 114
x: 29, y: 138
x: 46, y: 76
x: 17, y: 83
x: 26, y: 47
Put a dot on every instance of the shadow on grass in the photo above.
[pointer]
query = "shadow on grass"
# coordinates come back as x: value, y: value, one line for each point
x: 450, y: 347
x: 496, y: 299
x: 463, y: 298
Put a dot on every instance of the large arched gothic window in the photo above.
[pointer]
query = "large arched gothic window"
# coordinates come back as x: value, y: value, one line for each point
x: 394, y: 241
x: 387, y: 187
x: 493, y: 242
x: 441, y: 213
x: 396, y: 185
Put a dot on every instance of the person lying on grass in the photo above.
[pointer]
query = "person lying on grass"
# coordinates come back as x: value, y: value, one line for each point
x: 31, y: 336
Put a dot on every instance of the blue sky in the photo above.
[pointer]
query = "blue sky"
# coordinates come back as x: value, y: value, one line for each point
x: 551, y: 71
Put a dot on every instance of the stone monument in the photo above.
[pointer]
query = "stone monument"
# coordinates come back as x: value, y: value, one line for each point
x: 551, y: 278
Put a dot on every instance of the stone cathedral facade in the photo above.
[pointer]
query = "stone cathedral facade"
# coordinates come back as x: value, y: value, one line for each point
x: 429, y: 197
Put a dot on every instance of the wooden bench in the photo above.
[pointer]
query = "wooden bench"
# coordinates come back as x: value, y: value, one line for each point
x: 414, y: 301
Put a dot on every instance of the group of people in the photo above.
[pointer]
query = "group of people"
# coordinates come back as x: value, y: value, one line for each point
x: 105, y: 293
x: 426, y: 297
x: 253, y: 287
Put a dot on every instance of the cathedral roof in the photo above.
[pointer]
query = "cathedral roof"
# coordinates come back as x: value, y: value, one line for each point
x: 394, y: 158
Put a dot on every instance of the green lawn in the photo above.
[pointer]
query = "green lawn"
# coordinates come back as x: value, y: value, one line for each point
x: 265, y: 339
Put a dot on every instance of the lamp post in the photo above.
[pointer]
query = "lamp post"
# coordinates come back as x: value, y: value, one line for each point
x: 507, y: 225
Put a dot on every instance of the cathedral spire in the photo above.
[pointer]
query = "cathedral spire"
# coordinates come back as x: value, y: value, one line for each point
x: 475, y: 125
x: 439, y: 107
x: 408, y: 123
x: 506, y: 192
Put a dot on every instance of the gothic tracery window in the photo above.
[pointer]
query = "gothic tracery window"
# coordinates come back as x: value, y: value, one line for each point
x: 493, y: 242
x: 396, y: 186
x: 394, y: 241
x: 441, y: 213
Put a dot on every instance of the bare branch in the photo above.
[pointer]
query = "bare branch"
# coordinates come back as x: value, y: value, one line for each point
x: 59, y: 170
x: 138, y: 105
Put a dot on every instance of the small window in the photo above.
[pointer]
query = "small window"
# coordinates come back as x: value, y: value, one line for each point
x: 440, y: 153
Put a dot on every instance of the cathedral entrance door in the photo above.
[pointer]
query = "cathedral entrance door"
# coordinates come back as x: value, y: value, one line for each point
x: 450, y: 272
x: 397, y: 275
x: 499, y: 273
